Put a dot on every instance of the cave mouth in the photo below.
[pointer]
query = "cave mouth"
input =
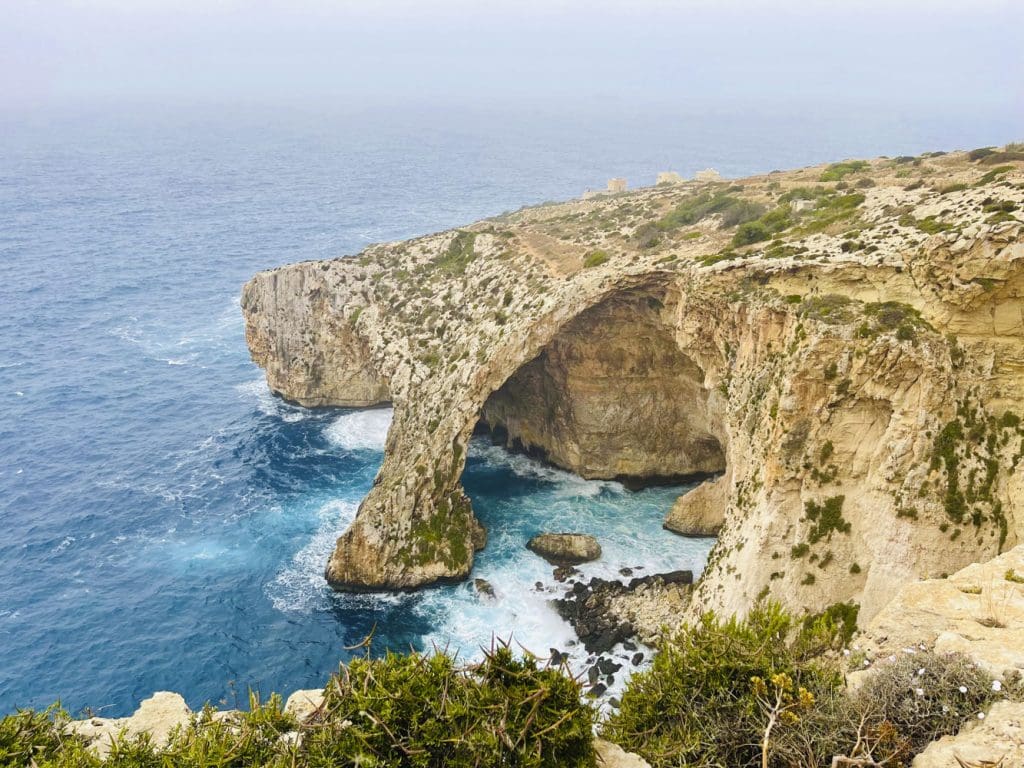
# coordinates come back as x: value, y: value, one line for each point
x: 613, y: 397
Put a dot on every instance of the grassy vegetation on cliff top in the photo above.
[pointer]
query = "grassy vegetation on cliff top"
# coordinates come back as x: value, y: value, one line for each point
x: 733, y: 693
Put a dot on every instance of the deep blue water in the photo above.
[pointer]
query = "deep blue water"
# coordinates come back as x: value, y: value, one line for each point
x: 163, y: 520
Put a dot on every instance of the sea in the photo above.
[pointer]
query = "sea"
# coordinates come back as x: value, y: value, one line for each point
x: 164, y: 519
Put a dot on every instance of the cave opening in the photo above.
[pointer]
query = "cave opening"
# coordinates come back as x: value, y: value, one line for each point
x: 613, y: 396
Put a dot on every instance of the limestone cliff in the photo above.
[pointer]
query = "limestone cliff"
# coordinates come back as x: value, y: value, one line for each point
x: 846, y: 343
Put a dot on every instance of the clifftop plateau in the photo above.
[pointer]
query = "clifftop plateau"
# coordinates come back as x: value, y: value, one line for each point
x: 843, y: 344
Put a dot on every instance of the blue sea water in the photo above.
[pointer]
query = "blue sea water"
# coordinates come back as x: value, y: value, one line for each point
x: 164, y: 520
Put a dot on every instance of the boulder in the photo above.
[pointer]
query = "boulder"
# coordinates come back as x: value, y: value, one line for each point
x: 701, y: 512
x: 613, y: 756
x: 565, y: 548
x: 978, y: 611
x: 302, y: 704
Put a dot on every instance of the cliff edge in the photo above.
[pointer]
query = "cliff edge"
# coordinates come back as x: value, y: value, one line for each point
x: 843, y: 345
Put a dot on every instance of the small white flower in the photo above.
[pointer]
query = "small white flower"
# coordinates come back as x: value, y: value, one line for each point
x: 962, y: 689
x: 892, y: 658
x: 997, y: 686
x: 922, y: 647
x: 846, y: 651
x: 920, y: 672
x: 981, y: 715
x: 919, y: 691
x: 945, y: 708
x: 867, y: 663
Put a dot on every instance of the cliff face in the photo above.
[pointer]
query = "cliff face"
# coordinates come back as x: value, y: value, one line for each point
x: 852, y: 363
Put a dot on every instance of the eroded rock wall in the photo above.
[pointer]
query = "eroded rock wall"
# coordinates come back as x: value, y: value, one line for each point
x: 861, y: 385
x: 613, y: 396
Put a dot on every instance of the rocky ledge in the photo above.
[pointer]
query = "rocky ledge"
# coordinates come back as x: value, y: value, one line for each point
x: 843, y: 345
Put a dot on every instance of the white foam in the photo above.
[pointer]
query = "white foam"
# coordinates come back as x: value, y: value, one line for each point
x: 267, y: 403
x: 300, y: 585
x: 360, y: 430
x: 568, y: 484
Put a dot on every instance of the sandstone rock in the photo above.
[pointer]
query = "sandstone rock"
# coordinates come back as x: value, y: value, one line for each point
x: 998, y: 740
x: 611, y: 755
x: 565, y: 549
x: 159, y: 716
x: 820, y: 376
x: 700, y: 512
x: 977, y: 612
x: 303, y: 704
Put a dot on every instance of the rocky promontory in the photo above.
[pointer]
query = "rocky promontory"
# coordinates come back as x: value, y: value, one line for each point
x: 842, y: 346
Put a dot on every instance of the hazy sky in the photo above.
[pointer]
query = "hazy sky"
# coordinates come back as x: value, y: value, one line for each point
x: 955, y: 55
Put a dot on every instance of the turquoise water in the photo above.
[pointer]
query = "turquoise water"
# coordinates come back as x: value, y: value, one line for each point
x: 163, y: 520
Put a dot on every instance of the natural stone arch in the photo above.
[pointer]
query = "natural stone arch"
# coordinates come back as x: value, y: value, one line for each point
x: 612, y: 396
x: 416, y: 526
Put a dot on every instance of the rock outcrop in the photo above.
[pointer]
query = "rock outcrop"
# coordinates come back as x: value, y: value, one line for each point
x: 700, y: 512
x: 977, y: 611
x: 854, y: 367
x: 995, y: 742
x: 565, y: 548
x: 158, y: 717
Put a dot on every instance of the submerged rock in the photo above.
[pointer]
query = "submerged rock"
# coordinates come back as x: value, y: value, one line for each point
x: 605, y: 613
x: 484, y: 588
x: 564, y: 572
x: 565, y: 549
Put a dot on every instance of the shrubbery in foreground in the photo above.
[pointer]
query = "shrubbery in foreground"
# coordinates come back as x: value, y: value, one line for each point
x: 763, y: 691
x: 399, y: 710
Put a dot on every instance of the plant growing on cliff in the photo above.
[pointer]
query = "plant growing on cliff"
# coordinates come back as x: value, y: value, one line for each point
x: 838, y: 171
x: 700, y: 703
x: 764, y: 691
x: 398, y: 711
x: 416, y: 710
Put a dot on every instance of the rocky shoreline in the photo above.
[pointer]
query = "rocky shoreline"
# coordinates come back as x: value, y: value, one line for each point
x: 953, y: 615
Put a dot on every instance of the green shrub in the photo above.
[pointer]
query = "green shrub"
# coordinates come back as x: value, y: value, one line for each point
x: 418, y: 710
x: 827, y: 517
x: 399, y: 711
x: 992, y: 175
x: 700, y: 705
x: 762, y: 691
x: 837, y: 171
x: 749, y: 232
x: 833, y: 209
x: 733, y: 211
x: 595, y: 259
x: 458, y: 255
x: 924, y: 696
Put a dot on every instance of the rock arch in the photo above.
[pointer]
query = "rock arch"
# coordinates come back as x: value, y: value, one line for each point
x: 612, y: 396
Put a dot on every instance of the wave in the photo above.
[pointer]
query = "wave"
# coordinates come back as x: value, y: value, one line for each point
x: 268, y: 404
x: 360, y: 430
x: 566, y: 483
x: 300, y: 586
